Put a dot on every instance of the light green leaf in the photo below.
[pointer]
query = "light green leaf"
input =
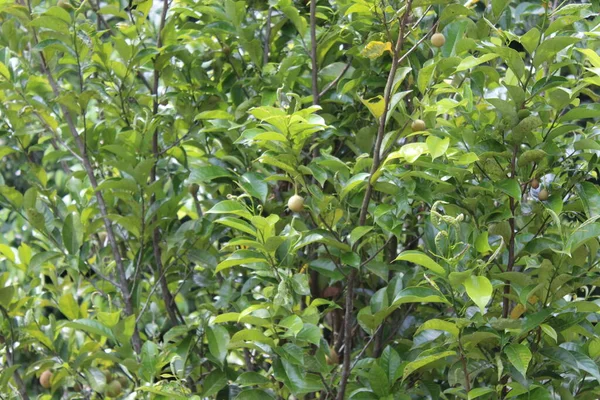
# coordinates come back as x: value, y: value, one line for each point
x: 439, y: 325
x: 479, y: 290
x: 437, y: 146
x: 72, y: 233
x: 519, y: 356
x: 419, y: 258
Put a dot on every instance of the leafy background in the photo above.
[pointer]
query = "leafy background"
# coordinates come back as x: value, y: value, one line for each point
x: 149, y: 150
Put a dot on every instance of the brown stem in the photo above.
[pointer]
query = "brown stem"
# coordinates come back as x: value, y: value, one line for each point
x: 122, y: 277
x: 164, y: 287
x: 267, y: 43
x: 511, y: 241
x: 349, y: 304
x: 10, y: 357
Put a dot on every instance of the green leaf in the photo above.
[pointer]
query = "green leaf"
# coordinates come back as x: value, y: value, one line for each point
x: 230, y: 207
x: 470, y: 61
x: 439, y: 325
x: 419, y: 295
x: 214, y: 114
x: 478, y: 392
x: 437, y: 147
x: 253, y: 394
x: 425, y: 76
x: 72, y: 233
x: 590, y: 196
x: 424, y: 361
x: 6, y: 295
x: 90, y: 326
x: 510, y: 187
x: 238, y: 224
x: 479, y: 290
x: 4, y: 72
x: 419, y: 258
x: 240, y: 257
x: 213, y: 383
x: 550, y: 47
x: 218, y: 340
x: 519, y: 356
x: 378, y: 380
x: 68, y: 306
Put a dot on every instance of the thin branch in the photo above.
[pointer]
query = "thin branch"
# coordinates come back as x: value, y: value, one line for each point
x: 10, y: 357
x: 267, y: 43
x: 336, y: 80
x: 160, y: 271
x: 123, y: 285
x: 349, y: 303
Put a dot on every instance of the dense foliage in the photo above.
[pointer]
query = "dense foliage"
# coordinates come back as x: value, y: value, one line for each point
x: 294, y: 199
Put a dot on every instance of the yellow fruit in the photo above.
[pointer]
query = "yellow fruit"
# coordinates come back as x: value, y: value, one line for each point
x: 535, y: 183
x: 296, y: 203
x: 438, y: 40
x: 418, y: 125
x: 46, y: 378
x: 114, y: 389
x: 543, y: 195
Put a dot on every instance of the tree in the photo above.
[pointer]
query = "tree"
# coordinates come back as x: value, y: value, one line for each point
x: 299, y: 199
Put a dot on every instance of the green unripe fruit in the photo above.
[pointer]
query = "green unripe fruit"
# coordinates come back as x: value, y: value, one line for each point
x: 526, y: 126
x: 543, y: 194
x: 296, y: 203
x: 108, y: 376
x: 531, y: 156
x: 418, y: 125
x: 438, y: 40
x: 524, y: 113
x: 65, y: 5
x: 114, y: 389
x: 193, y: 189
x: 46, y: 379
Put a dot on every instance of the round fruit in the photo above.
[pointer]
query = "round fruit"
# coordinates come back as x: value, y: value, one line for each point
x: 123, y: 380
x: 227, y: 50
x: 438, y: 40
x: 296, y: 203
x: 108, y: 376
x: 193, y: 189
x: 77, y: 387
x: 543, y: 195
x: 46, y: 378
x: 65, y: 5
x: 114, y: 389
x: 418, y: 125
x: 524, y: 113
x: 535, y: 183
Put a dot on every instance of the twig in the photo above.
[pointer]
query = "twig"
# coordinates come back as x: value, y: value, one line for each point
x: 166, y: 294
x: 349, y: 303
x: 10, y: 357
x: 123, y: 285
x: 267, y: 43
x: 336, y: 80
